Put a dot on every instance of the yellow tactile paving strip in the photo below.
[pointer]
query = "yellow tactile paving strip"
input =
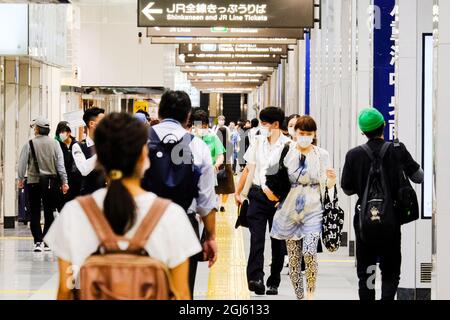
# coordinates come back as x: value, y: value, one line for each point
x: 227, y: 278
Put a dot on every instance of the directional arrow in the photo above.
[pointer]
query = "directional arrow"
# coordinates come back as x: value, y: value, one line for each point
x: 148, y: 11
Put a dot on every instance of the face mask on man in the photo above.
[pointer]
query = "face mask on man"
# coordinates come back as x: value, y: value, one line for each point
x: 200, y: 132
x: 265, y: 132
x: 305, y: 141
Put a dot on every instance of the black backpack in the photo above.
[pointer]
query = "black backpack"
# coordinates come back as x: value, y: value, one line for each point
x: 377, y: 220
x: 172, y: 174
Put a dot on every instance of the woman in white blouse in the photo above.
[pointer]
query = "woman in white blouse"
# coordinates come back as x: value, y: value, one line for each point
x: 298, y: 219
x: 121, y: 147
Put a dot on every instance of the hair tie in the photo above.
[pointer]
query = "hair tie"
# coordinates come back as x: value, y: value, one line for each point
x: 115, y: 175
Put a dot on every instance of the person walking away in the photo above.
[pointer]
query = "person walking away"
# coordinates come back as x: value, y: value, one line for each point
x: 85, y: 157
x: 125, y: 207
x: 355, y: 176
x: 199, y: 120
x: 220, y: 124
x: 66, y: 141
x: 298, y: 219
x: 235, y: 141
x: 43, y: 160
x: 265, y: 151
x: 191, y: 172
x: 225, y: 177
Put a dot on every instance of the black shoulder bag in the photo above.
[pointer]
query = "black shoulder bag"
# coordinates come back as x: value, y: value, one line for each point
x: 279, y: 182
x: 405, y: 204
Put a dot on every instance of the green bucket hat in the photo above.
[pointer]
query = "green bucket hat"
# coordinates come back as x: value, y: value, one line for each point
x: 370, y: 119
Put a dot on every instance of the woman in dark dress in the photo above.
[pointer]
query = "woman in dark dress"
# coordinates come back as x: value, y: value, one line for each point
x: 225, y: 179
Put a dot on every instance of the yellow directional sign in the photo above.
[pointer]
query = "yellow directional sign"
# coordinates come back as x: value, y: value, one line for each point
x: 140, y: 105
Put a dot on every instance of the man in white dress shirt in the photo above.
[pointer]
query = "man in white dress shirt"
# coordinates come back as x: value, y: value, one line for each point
x: 264, y: 151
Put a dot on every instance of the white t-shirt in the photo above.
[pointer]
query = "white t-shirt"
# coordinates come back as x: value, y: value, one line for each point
x: 73, y: 239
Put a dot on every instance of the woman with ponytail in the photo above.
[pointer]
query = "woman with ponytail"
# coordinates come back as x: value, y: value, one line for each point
x: 121, y: 146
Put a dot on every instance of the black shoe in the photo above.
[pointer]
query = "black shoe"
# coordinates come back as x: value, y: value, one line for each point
x: 272, y: 291
x: 257, y: 287
x: 222, y: 209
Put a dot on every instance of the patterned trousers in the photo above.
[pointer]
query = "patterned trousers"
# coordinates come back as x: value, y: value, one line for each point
x: 307, y: 247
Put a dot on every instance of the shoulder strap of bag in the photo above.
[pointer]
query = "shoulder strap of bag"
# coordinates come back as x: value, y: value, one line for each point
x: 106, y: 235
x: 284, y: 152
x: 148, y: 224
x: 369, y: 151
x: 33, y: 155
x: 382, y: 153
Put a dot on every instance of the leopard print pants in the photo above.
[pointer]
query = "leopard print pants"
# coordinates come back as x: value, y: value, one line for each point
x: 306, y: 248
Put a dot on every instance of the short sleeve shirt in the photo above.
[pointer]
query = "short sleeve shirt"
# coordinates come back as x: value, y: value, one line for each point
x: 73, y: 239
x: 215, y: 146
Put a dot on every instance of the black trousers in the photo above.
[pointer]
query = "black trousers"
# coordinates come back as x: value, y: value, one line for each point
x: 193, y: 261
x: 389, y: 257
x: 38, y: 194
x: 260, y: 213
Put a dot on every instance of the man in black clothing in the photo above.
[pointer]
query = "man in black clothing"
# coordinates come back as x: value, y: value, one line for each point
x: 354, y: 179
x: 85, y: 156
x: 66, y: 141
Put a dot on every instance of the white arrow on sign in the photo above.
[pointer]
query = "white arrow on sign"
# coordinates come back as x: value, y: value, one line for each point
x: 148, y: 11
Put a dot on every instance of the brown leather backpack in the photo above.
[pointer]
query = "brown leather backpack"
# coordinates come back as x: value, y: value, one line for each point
x: 122, y: 269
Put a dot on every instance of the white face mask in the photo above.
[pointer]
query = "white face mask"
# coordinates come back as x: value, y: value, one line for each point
x: 63, y: 136
x: 200, y: 132
x: 265, y: 132
x: 304, y: 141
x: 221, y: 123
x: 291, y: 131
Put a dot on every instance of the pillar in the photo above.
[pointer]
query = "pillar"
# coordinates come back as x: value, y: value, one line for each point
x: 10, y: 127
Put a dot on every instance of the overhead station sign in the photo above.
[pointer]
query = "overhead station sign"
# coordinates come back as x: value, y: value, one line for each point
x: 200, y: 40
x: 223, y: 13
x: 267, y: 58
x: 233, y: 48
x: 224, y: 32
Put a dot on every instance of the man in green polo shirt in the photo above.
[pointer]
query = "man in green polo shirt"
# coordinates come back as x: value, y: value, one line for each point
x: 200, y: 122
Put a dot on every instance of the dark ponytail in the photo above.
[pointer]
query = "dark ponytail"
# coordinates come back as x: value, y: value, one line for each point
x: 119, y: 139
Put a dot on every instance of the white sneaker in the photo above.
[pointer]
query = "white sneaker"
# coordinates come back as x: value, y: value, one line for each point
x: 37, y: 247
x: 46, y: 248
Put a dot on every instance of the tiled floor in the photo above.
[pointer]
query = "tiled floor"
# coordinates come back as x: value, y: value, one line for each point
x: 28, y: 275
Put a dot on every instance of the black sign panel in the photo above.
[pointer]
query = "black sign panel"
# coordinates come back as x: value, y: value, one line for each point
x: 226, y: 32
x: 178, y: 40
x: 233, y: 48
x: 225, y: 13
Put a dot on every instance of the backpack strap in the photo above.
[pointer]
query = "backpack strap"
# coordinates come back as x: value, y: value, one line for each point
x: 371, y: 154
x: 149, y: 223
x: 369, y: 151
x: 106, y: 235
x: 384, y: 149
x: 154, y: 138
